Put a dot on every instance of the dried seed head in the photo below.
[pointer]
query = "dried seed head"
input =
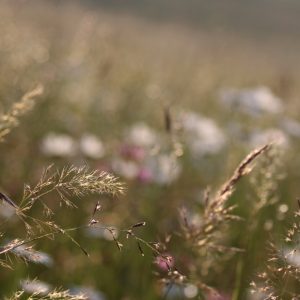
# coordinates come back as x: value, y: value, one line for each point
x: 139, y: 224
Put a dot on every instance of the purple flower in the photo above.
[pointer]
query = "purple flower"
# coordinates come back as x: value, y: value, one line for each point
x: 145, y: 175
x: 164, y: 262
x: 132, y: 152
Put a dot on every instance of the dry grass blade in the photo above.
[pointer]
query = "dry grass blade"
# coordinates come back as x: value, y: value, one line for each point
x: 68, y: 182
x: 10, y: 119
x: 81, y: 181
x: 11, y: 246
x: 240, y: 171
x: 206, y: 238
x: 8, y: 200
x: 281, y: 277
x: 56, y: 294
x: 71, y: 181
x: 216, y: 213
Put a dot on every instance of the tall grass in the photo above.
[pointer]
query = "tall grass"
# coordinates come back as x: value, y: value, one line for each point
x: 137, y: 201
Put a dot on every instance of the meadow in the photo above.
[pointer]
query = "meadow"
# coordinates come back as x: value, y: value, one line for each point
x: 146, y: 159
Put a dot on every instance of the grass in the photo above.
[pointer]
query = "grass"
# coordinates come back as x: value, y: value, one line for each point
x: 114, y: 105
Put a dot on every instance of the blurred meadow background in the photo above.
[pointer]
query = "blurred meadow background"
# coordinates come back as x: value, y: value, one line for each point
x: 169, y: 96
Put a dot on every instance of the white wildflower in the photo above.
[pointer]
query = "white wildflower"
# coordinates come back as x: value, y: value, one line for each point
x: 58, y: 145
x: 91, y: 146
x: 271, y: 135
x: 164, y: 168
x: 291, y: 127
x: 88, y: 292
x: 35, y: 286
x: 34, y: 256
x: 127, y: 169
x: 202, y: 135
x: 141, y: 135
x: 254, y: 102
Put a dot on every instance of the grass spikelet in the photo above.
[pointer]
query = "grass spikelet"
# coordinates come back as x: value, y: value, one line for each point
x: 242, y: 170
x: 281, y: 277
x: 57, y: 294
x: 216, y: 213
x: 205, y: 239
x: 71, y: 181
x: 10, y: 119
